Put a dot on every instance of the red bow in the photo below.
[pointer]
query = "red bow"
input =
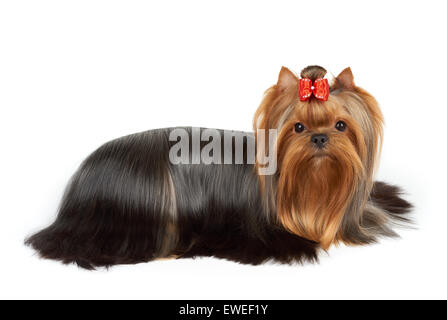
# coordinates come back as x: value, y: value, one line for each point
x: 320, y: 89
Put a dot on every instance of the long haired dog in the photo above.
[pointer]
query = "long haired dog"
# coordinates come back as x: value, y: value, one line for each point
x: 131, y: 202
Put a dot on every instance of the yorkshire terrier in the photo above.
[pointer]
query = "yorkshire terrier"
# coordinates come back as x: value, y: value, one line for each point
x: 135, y: 199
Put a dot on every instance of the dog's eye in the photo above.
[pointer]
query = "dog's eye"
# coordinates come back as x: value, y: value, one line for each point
x: 299, y: 127
x: 340, y: 126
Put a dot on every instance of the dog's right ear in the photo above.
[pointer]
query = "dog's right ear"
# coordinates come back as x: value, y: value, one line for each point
x: 286, y: 79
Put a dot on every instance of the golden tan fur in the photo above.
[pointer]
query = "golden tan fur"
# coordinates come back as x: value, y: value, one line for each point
x: 320, y: 194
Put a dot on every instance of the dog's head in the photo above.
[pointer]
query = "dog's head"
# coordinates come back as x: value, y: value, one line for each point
x: 326, y: 154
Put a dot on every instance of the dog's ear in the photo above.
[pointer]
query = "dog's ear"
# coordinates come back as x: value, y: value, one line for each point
x: 286, y: 79
x: 345, y: 80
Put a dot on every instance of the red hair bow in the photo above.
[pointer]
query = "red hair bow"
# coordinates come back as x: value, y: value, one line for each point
x: 320, y: 89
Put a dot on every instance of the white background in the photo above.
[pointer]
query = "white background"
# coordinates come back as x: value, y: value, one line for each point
x: 74, y: 74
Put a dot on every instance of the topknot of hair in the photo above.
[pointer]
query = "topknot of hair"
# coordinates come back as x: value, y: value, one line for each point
x: 313, y: 72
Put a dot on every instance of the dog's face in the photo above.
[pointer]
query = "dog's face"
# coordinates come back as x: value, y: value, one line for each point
x: 326, y: 153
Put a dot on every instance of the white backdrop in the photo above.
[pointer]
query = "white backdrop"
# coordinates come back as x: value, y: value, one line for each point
x: 74, y: 74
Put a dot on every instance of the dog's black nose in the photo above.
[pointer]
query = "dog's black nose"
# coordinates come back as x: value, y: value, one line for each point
x: 319, y: 140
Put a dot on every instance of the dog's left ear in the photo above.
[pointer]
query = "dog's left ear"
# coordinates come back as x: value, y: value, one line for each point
x: 286, y: 79
x: 345, y: 80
